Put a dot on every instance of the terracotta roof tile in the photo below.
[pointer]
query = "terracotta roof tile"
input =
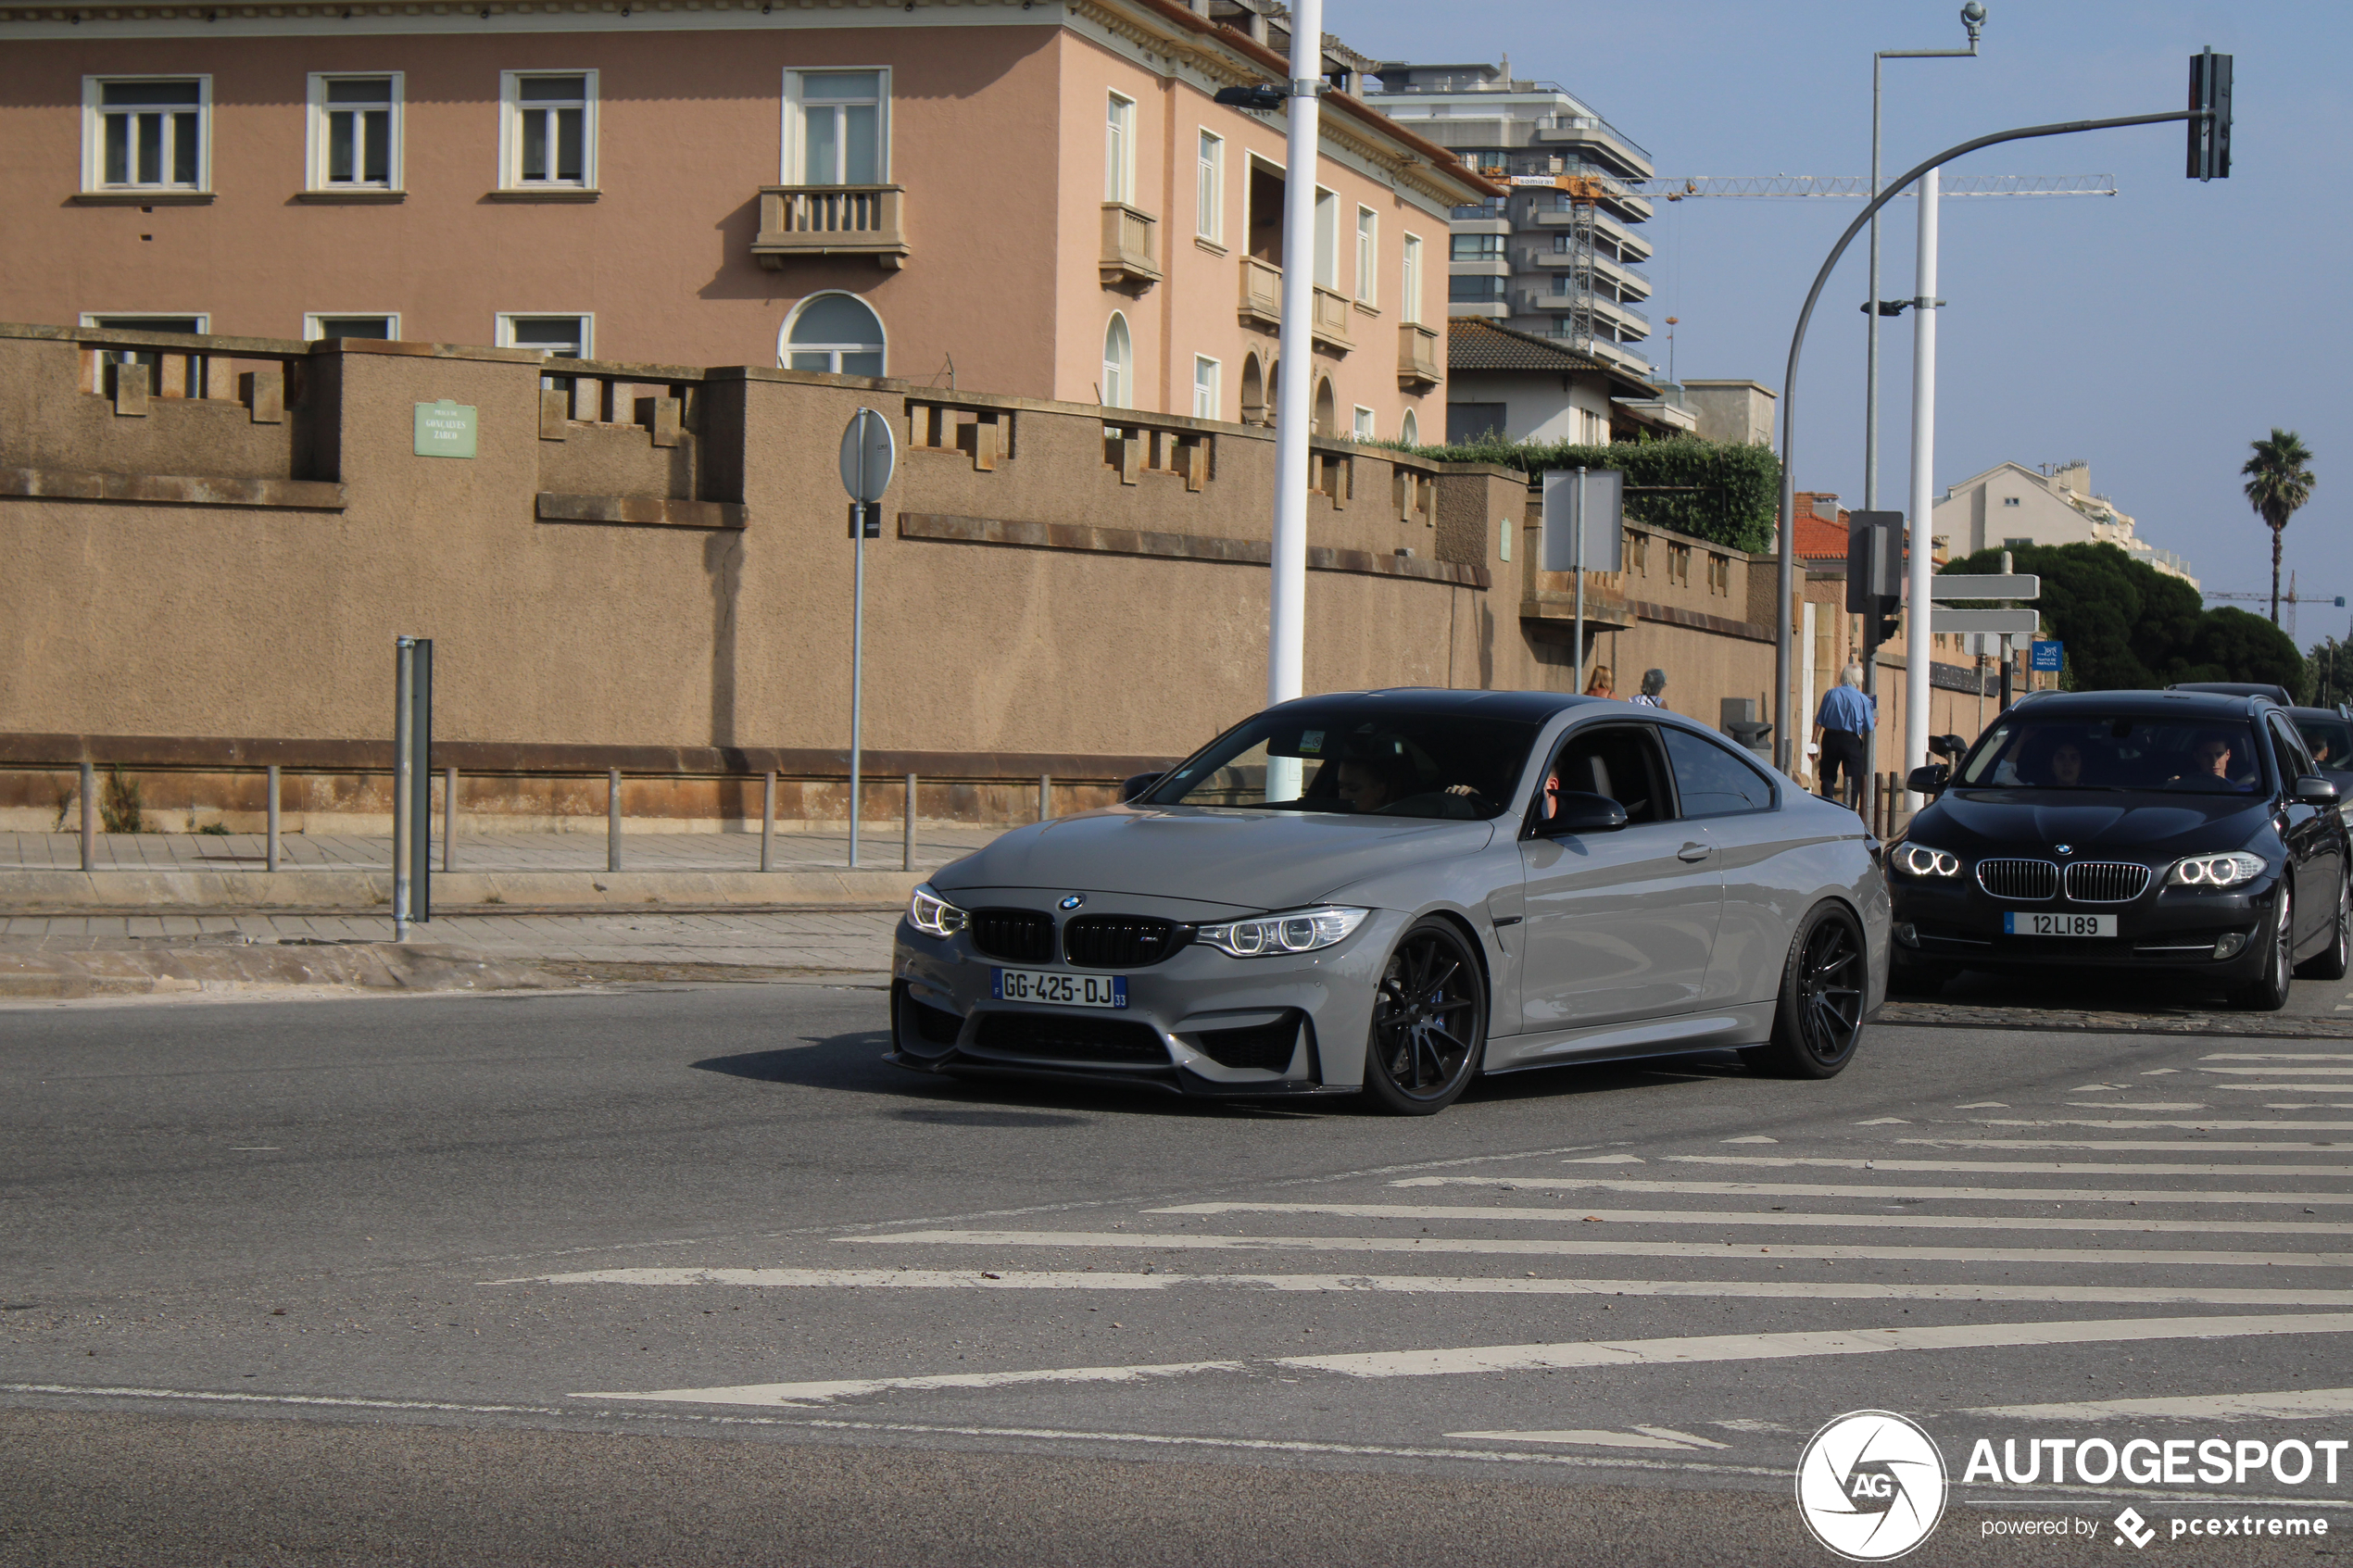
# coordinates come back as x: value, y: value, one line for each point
x: 1819, y: 538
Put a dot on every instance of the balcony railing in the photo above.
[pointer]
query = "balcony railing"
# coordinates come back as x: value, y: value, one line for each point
x: 1417, y: 363
x: 831, y: 220
x: 1128, y: 259
x: 1262, y: 305
x: 1330, y: 321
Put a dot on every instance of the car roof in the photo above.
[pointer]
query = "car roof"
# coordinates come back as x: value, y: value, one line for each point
x: 2316, y: 713
x: 1529, y: 706
x: 2276, y: 693
x: 2213, y: 704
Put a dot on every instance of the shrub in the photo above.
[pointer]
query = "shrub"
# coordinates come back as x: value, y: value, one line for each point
x: 1722, y: 492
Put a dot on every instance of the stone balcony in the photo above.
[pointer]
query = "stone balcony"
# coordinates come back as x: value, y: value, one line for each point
x: 831, y: 220
x: 1129, y: 260
x: 1418, y: 361
x: 1261, y: 306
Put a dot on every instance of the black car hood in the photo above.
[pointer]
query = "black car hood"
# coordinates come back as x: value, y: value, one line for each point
x: 2135, y: 825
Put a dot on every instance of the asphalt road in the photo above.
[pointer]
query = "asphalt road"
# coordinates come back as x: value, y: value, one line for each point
x: 688, y: 1275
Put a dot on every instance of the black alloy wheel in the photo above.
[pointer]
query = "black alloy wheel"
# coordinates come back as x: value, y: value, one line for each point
x: 2269, y: 993
x: 2330, y: 962
x: 1429, y: 1023
x: 1824, y: 982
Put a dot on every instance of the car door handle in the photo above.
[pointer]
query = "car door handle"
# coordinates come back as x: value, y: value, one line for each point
x: 1694, y: 851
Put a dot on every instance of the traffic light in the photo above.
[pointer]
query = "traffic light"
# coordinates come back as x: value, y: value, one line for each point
x: 2210, y: 137
x: 1875, y: 571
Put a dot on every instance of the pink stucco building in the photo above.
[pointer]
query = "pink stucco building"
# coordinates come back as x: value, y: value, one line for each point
x: 1037, y: 199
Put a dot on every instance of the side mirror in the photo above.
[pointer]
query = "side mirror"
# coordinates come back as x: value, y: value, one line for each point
x: 2314, y: 790
x: 1948, y: 747
x: 1573, y: 811
x: 1136, y: 784
x: 1928, y: 779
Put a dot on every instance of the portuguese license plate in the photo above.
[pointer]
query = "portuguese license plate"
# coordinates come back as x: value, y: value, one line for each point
x: 2032, y: 922
x: 1058, y: 990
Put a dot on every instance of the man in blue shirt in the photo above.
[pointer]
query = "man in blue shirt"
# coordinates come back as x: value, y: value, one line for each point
x: 1845, y: 717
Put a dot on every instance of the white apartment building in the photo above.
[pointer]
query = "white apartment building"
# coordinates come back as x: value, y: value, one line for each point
x: 2010, y: 504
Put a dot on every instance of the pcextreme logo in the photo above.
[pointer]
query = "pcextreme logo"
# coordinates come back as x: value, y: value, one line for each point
x: 1870, y: 1486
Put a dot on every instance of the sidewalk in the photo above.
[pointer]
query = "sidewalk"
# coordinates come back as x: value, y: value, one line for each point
x: 488, y: 852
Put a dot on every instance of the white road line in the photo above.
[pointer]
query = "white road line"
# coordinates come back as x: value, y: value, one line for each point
x: 1682, y: 1352
x: 2277, y: 1088
x: 1640, y: 1438
x: 2289, y: 1404
x: 2137, y: 1146
x: 1560, y: 1248
x: 2202, y: 1125
x: 2006, y: 1167
x: 1809, y: 1189
x: 2276, y: 1055
x: 1752, y: 1217
x: 1450, y: 1285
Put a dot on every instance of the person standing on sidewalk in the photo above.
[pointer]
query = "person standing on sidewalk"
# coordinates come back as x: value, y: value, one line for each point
x: 1603, y: 684
x: 1845, y: 717
x: 1653, y: 683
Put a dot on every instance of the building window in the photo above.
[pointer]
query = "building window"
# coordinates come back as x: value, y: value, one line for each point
x: 1119, y: 150
x: 1409, y: 433
x: 556, y: 337
x: 837, y: 127
x: 1475, y: 247
x: 837, y: 333
x: 1327, y: 273
x: 1368, y: 256
x: 2006, y: 544
x: 551, y: 132
x: 1119, y: 354
x: 1209, y: 197
x: 1207, y: 375
x: 2010, y: 500
x: 1469, y: 423
x: 1474, y: 291
x: 355, y: 132
x: 147, y: 134
x: 375, y: 324
x: 1363, y: 430
x: 143, y: 322
x: 1410, y: 308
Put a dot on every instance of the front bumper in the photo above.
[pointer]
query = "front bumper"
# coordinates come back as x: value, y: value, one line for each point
x: 1953, y: 923
x: 1197, y: 1023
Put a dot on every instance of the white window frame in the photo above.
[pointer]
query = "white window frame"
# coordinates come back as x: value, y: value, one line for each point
x: 120, y: 317
x: 1209, y: 389
x: 1409, y: 308
x: 1368, y: 256
x: 1119, y: 148
x: 587, y: 319
x: 317, y: 133
x: 1324, y: 265
x: 786, y: 347
x: 1209, y: 187
x: 94, y: 136
x: 1362, y: 425
x: 312, y: 333
x: 791, y: 162
x: 510, y: 131
x: 1119, y: 378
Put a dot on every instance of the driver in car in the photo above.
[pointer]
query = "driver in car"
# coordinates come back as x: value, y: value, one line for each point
x: 2210, y: 756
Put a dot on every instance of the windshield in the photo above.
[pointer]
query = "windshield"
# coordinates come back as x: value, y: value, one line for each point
x: 1360, y: 759
x: 2329, y: 740
x: 2115, y: 752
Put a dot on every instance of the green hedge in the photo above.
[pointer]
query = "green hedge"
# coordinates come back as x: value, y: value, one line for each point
x: 1737, y: 494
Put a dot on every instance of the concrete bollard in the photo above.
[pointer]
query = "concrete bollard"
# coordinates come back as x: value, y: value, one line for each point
x: 768, y: 823
x: 613, y: 819
x: 270, y: 850
x: 907, y: 853
x: 1045, y: 795
x: 449, y: 819
x: 89, y: 817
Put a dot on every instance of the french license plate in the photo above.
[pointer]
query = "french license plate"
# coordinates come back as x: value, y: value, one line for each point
x: 2027, y: 922
x: 1059, y: 989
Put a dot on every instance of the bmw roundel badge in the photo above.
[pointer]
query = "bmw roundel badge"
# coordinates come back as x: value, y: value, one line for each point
x: 1074, y: 900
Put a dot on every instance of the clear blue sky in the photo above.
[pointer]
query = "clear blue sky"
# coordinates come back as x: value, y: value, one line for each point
x: 2154, y: 333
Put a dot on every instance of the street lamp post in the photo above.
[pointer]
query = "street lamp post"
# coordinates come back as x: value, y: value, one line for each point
x: 1295, y: 391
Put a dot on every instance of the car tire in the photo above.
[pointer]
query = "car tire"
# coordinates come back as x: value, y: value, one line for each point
x: 1819, y: 1020
x: 1428, y: 1032
x: 2269, y: 993
x: 2328, y: 963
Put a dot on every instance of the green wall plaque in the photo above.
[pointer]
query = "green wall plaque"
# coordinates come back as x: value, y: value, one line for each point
x: 444, y: 430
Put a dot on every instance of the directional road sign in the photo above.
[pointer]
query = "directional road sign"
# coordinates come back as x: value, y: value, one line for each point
x: 2019, y: 585
x: 1992, y: 622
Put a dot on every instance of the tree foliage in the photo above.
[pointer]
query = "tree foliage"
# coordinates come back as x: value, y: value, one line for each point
x: 2128, y: 626
x: 1728, y: 493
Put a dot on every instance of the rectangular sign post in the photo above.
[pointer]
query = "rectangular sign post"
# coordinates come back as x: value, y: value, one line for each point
x: 869, y: 454
x: 411, y: 792
x: 1584, y: 514
x: 2046, y: 655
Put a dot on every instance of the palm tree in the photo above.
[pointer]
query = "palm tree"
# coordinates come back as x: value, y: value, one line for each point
x: 2278, y: 483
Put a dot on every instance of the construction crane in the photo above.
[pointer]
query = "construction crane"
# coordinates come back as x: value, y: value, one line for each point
x: 2291, y: 598
x: 1586, y: 192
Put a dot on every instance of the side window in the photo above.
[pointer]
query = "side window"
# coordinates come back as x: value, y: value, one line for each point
x: 1712, y: 779
x: 2294, y: 763
x: 1618, y: 761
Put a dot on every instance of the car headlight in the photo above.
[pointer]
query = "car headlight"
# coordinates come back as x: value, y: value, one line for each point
x: 932, y: 915
x: 1301, y: 931
x: 2216, y: 871
x: 1919, y: 859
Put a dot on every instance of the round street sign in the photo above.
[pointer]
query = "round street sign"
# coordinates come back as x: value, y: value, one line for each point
x: 868, y: 455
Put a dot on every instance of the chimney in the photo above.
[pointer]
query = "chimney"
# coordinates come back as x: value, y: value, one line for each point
x: 2075, y: 477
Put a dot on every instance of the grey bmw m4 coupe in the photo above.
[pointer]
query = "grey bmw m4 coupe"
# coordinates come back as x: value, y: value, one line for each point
x: 1389, y: 893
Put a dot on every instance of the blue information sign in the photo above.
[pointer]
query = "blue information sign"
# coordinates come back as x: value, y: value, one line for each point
x: 2046, y: 655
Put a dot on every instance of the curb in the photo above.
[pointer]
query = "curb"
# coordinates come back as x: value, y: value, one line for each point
x: 148, y: 892
x: 376, y: 966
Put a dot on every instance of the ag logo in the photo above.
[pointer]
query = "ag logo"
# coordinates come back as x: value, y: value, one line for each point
x: 1870, y: 1486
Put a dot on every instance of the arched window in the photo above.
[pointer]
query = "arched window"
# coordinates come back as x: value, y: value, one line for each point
x: 838, y: 333
x: 1118, y: 359
x: 1409, y: 432
x: 1254, y: 391
x: 1326, y: 416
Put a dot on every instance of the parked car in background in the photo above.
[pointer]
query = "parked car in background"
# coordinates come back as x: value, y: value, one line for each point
x: 2327, y: 733
x: 1393, y: 892
x: 2185, y: 833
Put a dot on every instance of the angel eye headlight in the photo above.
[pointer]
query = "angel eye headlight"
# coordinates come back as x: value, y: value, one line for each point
x: 1920, y: 861
x: 2216, y: 871
x: 932, y: 915
x: 1301, y: 932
